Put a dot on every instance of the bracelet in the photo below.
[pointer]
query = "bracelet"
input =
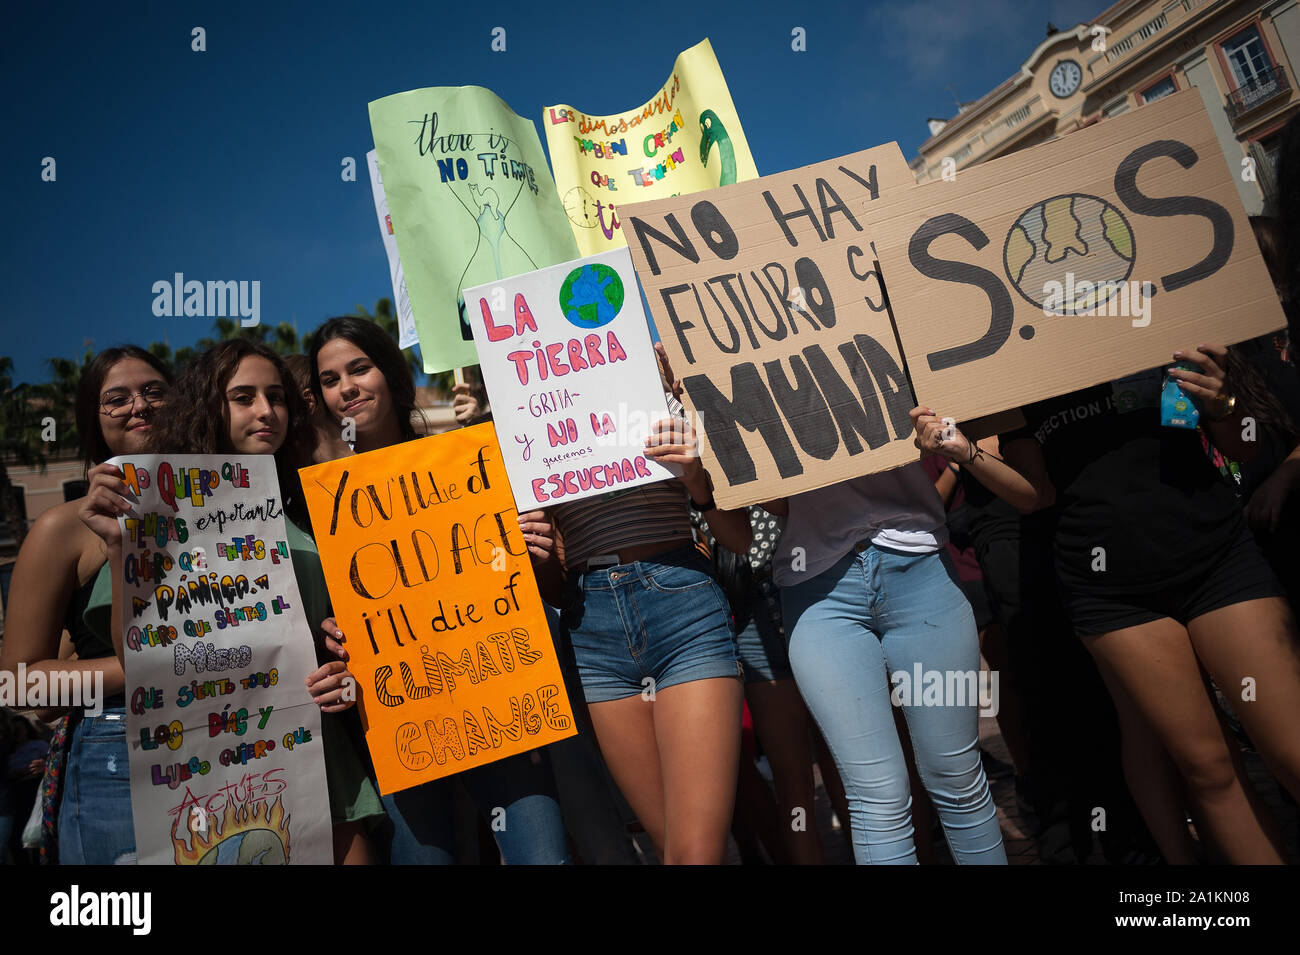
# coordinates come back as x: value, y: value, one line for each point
x: 1229, y: 404
x: 708, y: 505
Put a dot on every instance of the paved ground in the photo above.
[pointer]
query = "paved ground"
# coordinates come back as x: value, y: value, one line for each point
x: 1025, y: 844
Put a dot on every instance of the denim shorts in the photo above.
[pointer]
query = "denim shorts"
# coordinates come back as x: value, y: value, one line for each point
x: 649, y: 625
x: 761, y: 642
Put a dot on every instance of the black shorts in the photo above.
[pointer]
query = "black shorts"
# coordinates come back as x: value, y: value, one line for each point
x: 1240, y: 574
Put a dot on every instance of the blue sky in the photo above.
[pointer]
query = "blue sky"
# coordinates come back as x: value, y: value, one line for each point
x: 226, y: 164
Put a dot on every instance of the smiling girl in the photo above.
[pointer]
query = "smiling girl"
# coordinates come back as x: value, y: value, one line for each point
x: 238, y: 398
x: 361, y: 378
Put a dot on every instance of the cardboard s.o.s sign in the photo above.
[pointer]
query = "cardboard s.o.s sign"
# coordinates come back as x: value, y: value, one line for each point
x: 1072, y: 263
x: 767, y: 300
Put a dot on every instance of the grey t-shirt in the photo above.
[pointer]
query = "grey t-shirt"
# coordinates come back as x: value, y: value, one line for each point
x: 898, y: 509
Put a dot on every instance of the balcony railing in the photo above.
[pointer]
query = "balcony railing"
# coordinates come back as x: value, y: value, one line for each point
x: 1141, y: 34
x: 1264, y: 86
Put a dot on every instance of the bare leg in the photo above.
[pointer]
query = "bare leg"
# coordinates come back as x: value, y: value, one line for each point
x: 1252, y: 651
x: 757, y: 819
x: 1155, y: 666
x: 1153, y: 780
x: 625, y: 730
x: 697, y: 726
x: 781, y: 721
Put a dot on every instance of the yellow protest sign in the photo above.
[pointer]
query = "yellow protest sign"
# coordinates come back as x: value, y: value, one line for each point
x: 687, y: 138
x: 432, y: 585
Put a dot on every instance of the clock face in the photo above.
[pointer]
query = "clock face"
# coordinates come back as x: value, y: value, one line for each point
x: 580, y: 207
x: 1065, y: 78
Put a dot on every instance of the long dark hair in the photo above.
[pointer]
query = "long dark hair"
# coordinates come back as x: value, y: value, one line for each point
x: 1256, y: 398
x: 383, y: 351
x: 198, y: 418
x: 94, y: 448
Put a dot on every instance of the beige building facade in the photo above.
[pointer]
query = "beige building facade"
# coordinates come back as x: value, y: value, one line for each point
x: 1239, y: 54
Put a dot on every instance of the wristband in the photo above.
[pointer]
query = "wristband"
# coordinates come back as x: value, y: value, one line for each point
x: 708, y: 505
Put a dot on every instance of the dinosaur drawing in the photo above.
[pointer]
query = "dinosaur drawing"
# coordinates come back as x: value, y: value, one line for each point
x: 712, y: 131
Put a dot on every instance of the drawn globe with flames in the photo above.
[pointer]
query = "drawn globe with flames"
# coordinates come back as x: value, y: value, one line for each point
x: 1081, y: 242
x: 255, y: 834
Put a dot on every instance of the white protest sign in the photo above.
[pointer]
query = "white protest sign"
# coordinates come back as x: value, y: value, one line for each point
x: 226, y: 752
x: 401, y: 300
x: 572, y: 376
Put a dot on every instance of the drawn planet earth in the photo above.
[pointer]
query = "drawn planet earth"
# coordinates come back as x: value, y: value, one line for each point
x: 254, y: 847
x: 1082, y: 242
x: 591, y: 295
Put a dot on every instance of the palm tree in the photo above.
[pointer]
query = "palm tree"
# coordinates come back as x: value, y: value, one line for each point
x: 20, y: 443
x: 60, y: 398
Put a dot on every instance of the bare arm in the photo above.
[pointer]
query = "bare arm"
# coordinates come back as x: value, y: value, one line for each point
x: 44, y: 581
x: 946, y: 484
x: 1019, y: 477
x: 731, y: 529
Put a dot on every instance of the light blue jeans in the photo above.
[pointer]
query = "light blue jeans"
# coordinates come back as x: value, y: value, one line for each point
x: 95, y: 825
x: 873, y: 614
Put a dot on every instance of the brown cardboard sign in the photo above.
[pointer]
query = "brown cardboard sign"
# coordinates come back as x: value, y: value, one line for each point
x: 768, y: 302
x: 1072, y: 263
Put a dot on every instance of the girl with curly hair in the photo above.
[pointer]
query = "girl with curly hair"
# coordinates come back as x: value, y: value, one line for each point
x: 238, y: 397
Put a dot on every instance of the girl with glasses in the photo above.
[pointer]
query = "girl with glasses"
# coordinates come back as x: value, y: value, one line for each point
x: 119, y: 400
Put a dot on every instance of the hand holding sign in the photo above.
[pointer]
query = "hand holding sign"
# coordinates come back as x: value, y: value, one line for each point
x: 938, y: 435
x: 429, y: 573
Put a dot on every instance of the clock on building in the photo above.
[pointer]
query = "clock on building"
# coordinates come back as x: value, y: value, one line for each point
x: 1065, y: 78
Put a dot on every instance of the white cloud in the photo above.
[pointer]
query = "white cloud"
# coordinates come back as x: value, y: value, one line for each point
x: 940, y: 38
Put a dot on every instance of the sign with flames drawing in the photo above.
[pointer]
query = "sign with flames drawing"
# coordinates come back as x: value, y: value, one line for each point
x: 227, y: 764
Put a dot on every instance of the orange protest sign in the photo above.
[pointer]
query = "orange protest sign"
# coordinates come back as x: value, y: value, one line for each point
x: 432, y: 585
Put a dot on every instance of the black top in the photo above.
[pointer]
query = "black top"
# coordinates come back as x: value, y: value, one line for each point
x: 88, y: 644
x: 1147, y: 495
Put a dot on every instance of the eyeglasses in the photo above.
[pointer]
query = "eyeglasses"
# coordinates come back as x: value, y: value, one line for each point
x: 119, y: 403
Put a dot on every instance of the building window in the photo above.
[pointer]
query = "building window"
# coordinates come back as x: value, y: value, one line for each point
x: 1249, y: 69
x: 1247, y: 58
x: 1159, y: 90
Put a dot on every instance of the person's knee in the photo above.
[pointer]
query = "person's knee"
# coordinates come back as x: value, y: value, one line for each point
x: 694, y: 850
x: 1208, y: 770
